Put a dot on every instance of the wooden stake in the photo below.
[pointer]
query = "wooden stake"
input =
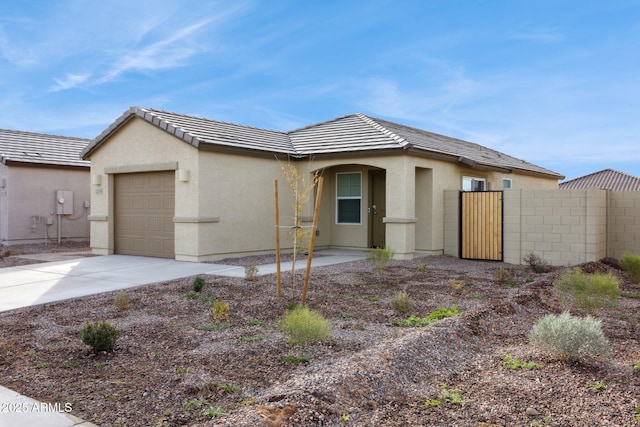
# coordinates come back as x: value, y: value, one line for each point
x: 277, y: 212
x: 312, y: 243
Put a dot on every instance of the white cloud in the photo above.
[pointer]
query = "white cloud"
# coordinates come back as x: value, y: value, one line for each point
x: 169, y: 52
x: 70, y: 81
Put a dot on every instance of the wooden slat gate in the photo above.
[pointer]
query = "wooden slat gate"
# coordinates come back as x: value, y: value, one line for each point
x: 481, y: 225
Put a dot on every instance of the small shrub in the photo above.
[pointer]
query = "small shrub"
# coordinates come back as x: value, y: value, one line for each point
x: 590, y: 291
x: 214, y: 411
x: 295, y: 360
x: 636, y: 367
x: 250, y: 272
x: 252, y: 338
x: 457, y: 285
x: 422, y: 268
x: 228, y: 388
x: 631, y: 264
x: 218, y: 326
x: 433, y: 403
x: 255, y: 322
x: 379, y: 258
x: 220, y: 310
x: 537, y: 263
x: 510, y: 362
x: 451, y: 395
x: 191, y: 295
x: 122, y: 301
x: 100, y: 336
x: 502, y: 276
x: 570, y: 338
x: 402, y: 302
x: 304, y: 325
x: 596, y: 385
x: 437, y: 314
x: 198, y: 284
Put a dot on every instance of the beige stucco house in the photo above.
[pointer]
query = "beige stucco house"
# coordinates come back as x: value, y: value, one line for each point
x: 44, y: 188
x: 194, y: 189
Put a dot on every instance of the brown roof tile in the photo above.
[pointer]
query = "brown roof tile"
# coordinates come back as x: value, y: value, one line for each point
x: 36, y: 148
x: 607, y: 179
x: 347, y: 134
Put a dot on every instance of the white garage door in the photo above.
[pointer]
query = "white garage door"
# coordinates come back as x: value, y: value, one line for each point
x: 144, y: 211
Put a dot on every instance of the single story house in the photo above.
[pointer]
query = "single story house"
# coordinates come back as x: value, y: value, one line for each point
x: 172, y: 185
x: 44, y: 188
x: 607, y: 179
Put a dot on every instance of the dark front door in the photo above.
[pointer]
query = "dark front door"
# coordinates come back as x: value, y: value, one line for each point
x: 377, y: 209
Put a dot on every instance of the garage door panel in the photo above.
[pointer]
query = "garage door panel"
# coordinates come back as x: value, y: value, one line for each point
x: 144, y: 211
x: 154, y: 202
x: 155, y: 224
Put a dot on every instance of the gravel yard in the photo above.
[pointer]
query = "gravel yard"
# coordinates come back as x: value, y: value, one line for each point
x: 175, y: 365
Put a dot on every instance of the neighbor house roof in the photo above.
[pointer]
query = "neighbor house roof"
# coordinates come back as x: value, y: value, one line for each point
x: 41, y: 149
x: 607, y: 179
x: 355, y: 133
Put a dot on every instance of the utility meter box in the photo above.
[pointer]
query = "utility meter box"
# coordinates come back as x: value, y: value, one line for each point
x: 64, y: 202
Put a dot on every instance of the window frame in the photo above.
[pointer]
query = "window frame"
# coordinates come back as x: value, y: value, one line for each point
x: 510, y: 181
x: 471, y: 179
x: 338, y: 198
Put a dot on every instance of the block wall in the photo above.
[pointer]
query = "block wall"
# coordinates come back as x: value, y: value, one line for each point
x: 623, y: 234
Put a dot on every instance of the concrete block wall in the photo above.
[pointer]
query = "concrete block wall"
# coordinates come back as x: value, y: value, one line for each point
x: 451, y: 223
x: 623, y: 233
x: 565, y: 227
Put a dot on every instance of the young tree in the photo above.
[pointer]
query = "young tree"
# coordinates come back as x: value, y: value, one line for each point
x: 302, y: 187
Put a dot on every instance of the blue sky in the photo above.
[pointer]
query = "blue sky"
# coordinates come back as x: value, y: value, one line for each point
x: 556, y: 83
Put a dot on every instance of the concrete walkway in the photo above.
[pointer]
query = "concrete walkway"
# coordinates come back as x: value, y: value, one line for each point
x: 34, y: 284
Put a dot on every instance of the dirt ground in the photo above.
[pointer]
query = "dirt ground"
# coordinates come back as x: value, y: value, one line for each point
x: 175, y: 365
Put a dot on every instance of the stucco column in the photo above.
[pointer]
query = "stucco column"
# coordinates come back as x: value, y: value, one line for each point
x: 400, y: 217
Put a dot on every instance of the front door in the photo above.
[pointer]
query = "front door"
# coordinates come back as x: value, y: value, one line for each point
x: 377, y: 208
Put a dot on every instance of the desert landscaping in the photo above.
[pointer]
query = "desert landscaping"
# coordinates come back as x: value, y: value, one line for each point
x: 178, y: 363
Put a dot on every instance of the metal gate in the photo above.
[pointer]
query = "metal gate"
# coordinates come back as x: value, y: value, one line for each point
x: 481, y: 225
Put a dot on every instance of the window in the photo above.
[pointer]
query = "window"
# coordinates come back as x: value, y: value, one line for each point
x: 506, y: 183
x: 348, y: 198
x: 473, y: 184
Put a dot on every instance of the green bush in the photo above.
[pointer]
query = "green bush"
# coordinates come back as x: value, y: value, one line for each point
x: 198, y: 284
x: 437, y: 314
x: 220, y: 310
x: 379, y: 258
x: 631, y: 264
x: 590, y: 291
x: 304, y: 325
x: 402, y: 302
x: 100, y: 336
x: 570, y: 338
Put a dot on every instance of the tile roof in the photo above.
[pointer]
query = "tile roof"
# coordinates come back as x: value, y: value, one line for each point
x: 607, y: 179
x: 43, y: 149
x: 347, y: 134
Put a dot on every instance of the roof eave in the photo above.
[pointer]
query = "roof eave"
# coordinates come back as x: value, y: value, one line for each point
x: 254, y: 152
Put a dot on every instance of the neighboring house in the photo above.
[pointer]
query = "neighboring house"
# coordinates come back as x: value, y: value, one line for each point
x: 607, y: 179
x: 44, y: 188
x: 193, y: 189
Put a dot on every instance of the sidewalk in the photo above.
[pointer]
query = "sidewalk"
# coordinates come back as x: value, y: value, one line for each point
x: 62, y: 278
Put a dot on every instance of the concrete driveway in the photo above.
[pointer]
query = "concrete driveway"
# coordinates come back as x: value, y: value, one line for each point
x: 35, y: 284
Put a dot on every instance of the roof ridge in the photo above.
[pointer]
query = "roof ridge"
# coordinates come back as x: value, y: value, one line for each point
x: 318, y: 124
x: 152, y: 110
x: 371, y: 122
